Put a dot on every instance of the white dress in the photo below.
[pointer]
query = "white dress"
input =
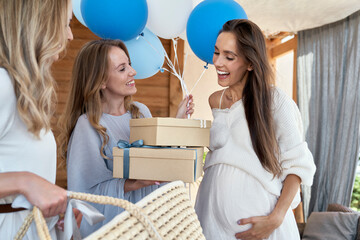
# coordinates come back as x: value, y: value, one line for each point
x: 21, y: 151
x: 235, y: 185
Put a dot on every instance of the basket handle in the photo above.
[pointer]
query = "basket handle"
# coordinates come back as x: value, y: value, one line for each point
x: 134, y: 210
x: 40, y: 223
x: 128, y: 206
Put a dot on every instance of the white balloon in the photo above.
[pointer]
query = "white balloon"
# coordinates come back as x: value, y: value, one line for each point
x: 76, y: 4
x: 183, y: 35
x: 168, y: 18
x: 196, y: 2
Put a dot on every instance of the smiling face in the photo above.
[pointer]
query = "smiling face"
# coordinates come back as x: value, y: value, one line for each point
x: 120, y: 81
x: 229, y: 63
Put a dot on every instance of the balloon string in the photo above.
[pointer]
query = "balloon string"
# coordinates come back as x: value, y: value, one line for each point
x: 171, y: 65
x: 174, y: 71
x: 177, y: 63
x: 142, y: 35
x: 182, y: 75
x: 176, y: 60
x: 183, y: 86
x: 174, y: 43
x: 198, y: 80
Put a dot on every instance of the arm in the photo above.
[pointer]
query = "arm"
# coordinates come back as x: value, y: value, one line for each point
x: 296, y: 162
x: 49, y: 198
x: 263, y: 226
x: 88, y: 171
x: 132, y: 185
x: 291, y: 187
x: 214, y: 99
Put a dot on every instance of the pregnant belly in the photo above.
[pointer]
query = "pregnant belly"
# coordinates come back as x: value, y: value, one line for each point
x: 233, y: 194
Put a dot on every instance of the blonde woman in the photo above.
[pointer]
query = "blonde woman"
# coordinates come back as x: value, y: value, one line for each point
x: 96, y: 118
x: 32, y: 35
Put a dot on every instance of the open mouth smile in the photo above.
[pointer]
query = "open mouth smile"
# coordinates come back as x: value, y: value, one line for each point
x: 130, y: 83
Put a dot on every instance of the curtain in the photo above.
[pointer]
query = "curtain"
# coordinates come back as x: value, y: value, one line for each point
x: 328, y: 81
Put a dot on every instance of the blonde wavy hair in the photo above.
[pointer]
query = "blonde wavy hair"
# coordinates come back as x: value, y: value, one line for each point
x: 31, y: 34
x: 90, y: 72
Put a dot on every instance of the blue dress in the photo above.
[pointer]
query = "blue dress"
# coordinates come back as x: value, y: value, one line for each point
x: 89, y: 172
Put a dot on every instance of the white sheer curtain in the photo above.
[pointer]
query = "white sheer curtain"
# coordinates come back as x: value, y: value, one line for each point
x: 328, y: 77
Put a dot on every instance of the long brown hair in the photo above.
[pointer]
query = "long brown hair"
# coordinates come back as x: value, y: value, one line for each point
x: 257, y: 92
x: 32, y: 33
x: 90, y: 72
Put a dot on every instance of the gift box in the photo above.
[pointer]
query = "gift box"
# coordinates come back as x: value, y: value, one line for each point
x: 158, y: 164
x: 170, y: 131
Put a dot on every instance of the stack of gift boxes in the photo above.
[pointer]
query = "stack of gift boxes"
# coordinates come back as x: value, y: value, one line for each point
x: 163, y: 149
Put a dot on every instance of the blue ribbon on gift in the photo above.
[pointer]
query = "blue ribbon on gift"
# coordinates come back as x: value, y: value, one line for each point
x: 126, y: 146
x: 140, y: 143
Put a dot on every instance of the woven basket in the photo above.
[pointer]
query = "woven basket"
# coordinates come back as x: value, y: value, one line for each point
x: 166, y: 213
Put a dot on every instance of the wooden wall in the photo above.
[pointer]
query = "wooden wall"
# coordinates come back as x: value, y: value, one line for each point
x: 277, y: 49
x: 161, y: 93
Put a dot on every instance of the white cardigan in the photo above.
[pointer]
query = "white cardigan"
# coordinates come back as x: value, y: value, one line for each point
x: 232, y: 143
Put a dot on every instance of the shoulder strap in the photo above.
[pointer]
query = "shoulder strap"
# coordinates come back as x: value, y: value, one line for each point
x: 222, y: 94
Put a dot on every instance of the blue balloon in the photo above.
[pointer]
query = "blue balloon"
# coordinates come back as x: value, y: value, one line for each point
x: 146, y: 54
x: 205, y: 22
x: 115, y: 19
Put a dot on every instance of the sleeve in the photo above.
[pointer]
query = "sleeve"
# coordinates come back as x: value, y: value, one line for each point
x: 7, y: 104
x: 86, y: 168
x: 295, y: 156
x: 87, y: 172
x: 143, y: 109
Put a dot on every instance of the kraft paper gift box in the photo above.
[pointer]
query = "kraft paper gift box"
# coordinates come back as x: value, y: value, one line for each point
x: 159, y: 164
x: 170, y: 131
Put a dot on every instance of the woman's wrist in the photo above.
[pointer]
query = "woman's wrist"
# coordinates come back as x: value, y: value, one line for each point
x: 128, y: 185
x: 132, y: 185
x: 277, y: 216
x: 24, y: 182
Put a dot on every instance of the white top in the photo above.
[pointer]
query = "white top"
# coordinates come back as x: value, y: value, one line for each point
x: 232, y: 144
x: 20, y: 150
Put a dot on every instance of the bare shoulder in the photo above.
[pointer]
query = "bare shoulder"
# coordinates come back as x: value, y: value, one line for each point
x: 214, y: 99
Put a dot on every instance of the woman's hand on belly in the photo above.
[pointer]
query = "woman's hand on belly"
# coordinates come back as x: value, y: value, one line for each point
x: 262, y: 227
